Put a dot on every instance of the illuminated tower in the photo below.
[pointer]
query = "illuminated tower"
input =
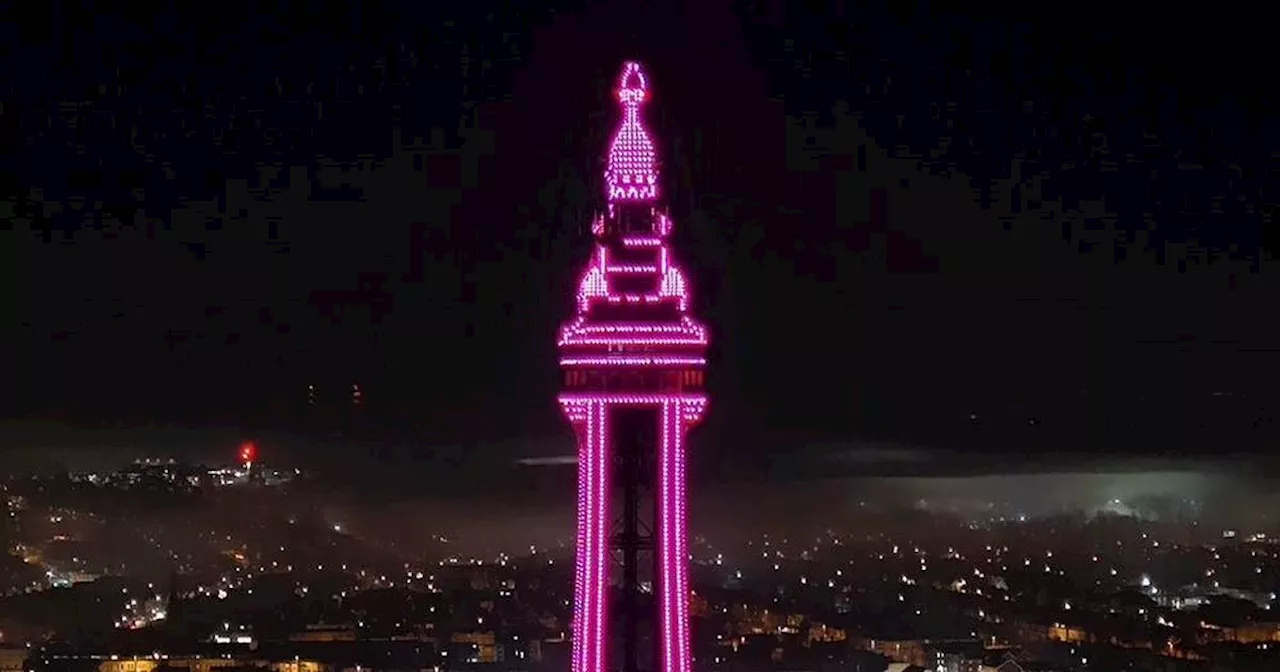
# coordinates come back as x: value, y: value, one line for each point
x: 632, y: 360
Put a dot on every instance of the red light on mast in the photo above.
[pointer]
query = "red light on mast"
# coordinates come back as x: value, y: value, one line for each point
x: 248, y: 452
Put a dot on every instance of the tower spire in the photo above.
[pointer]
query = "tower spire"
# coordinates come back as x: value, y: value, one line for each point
x: 631, y: 172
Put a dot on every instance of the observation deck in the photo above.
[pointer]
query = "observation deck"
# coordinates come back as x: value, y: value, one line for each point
x: 633, y: 331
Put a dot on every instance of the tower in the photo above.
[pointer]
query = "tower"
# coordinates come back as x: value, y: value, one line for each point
x: 632, y: 360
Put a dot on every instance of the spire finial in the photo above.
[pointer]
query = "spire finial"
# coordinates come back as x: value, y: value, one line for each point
x: 632, y: 85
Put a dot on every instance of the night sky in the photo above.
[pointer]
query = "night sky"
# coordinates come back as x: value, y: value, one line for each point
x: 1020, y: 233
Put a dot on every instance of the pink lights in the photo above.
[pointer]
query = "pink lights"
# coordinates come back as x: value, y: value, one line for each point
x: 677, y: 413
x: 632, y: 361
x: 632, y: 170
x: 596, y: 284
x: 641, y: 269
x: 632, y: 345
x: 633, y: 336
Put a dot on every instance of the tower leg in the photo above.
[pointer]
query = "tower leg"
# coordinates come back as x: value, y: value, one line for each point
x: 641, y: 449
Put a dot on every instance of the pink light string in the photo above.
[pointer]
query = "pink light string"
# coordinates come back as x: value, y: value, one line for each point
x: 673, y: 549
x: 631, y: 172
x: 657, y: 337
x: 589, y: 418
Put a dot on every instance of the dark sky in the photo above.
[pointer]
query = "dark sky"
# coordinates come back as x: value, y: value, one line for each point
x: 1020, y: 233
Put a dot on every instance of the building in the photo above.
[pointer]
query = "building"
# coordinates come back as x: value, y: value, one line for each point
x: 632, y: 360
x: 13, y: 658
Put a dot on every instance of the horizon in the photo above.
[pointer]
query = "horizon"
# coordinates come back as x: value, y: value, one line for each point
x: 87, y: 449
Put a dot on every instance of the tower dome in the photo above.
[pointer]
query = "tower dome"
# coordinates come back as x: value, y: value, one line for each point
x: 631, y: 171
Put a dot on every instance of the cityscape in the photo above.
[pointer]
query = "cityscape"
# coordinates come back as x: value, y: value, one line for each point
x: 339, y: 418
x: 164, y: 564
